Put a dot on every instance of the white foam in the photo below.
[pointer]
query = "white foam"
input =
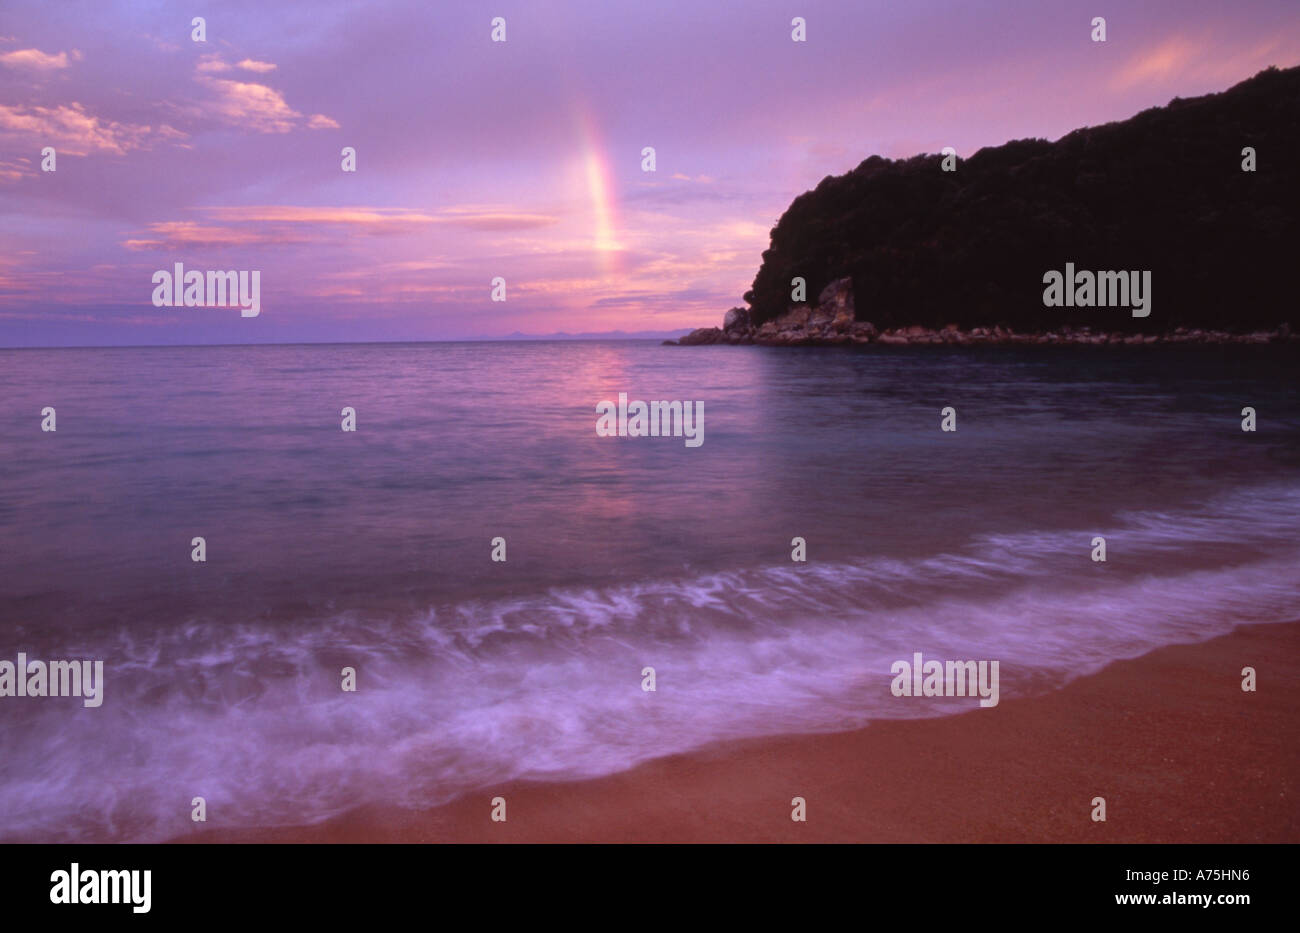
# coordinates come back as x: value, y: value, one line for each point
x: 468, y: 695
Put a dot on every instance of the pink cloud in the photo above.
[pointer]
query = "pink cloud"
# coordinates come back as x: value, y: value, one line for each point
x: 35, y: 58
x: 183, y: 233
x: 211, y: 64
x: 12, y: 171
x: 383, y: 218
x: 355, y: 216
x: 69, y: 128
x: 273, y: 225
x: 254, y: 106
x: 249, y: 104
x: 1205, y: 59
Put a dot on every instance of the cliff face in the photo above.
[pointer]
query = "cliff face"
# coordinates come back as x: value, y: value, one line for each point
x: 1162, y: 192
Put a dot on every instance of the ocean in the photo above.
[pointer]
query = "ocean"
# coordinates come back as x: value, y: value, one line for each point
x: 372, y: 550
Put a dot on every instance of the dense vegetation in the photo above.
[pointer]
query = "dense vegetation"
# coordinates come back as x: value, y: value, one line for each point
x: 1163, y: 191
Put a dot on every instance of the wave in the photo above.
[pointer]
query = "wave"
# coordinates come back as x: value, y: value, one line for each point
x: 468, y: 695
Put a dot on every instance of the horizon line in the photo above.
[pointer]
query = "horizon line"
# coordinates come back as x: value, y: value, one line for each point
x: 337, y: 343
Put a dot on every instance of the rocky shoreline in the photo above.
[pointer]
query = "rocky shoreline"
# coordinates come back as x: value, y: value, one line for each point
x: 833, y: 322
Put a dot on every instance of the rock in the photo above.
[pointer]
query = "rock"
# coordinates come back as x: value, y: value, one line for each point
x: 828, y: 323
x: 736, y: 321
x: 796, y: 316
x: 837, y: 298
x: 701, y: 337
x: 820, y: 317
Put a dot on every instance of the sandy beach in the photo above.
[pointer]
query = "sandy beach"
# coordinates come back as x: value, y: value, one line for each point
x: 1178, y: 750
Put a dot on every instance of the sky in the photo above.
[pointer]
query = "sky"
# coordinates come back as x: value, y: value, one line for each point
x: 519, y: 159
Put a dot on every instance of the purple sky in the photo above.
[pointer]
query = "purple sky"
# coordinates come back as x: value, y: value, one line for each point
x: 519, y: 159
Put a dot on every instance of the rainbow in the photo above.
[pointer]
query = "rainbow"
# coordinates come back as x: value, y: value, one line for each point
x: 600, y: 188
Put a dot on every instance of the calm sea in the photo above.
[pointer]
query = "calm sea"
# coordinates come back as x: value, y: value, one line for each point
x: 372, y: 550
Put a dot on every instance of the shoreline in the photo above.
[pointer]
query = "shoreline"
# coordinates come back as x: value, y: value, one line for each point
x: 862, y: 334
x: 833, y: 321
x: 1169, y: 739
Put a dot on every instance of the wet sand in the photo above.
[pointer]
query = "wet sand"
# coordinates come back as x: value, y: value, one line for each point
x: 1170, y: 740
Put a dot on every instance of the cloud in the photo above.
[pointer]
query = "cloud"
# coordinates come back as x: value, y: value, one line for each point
x: 389, y: 269
x: 211, y: 64
x: 249, y: 104
x: 1159, y: 64
x: 272, y: 225
x: 69, y: 128
x: 373, y: 217
x: 35, y: 58
x: 490, y: 219
x: 184, y: 233
x: 12, y: 171
x: 166, y: 45
x: 383, y: 218
x: 1205, y: 59
x: 247, y: 225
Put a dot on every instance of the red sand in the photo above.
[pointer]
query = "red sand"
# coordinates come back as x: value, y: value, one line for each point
x: 1170, y: 740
